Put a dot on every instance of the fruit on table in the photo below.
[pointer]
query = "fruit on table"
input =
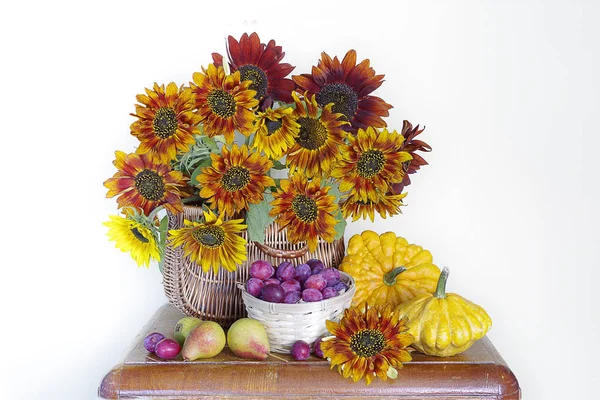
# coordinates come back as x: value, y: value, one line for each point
x: 444, y: 324
x: 317, y: 351
x: 247, y: 338
x: 204, y: 341
x: 387, y: 269
x: 183, y: 327
x: 151, y: 340
x: 300, y: 350
x: 167, y: 349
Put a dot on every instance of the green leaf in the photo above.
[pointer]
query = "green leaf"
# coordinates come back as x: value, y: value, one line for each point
x: 162, y: 241
x: 258, y: 219
x: 211, y: 144
x: 198, y: 170
x: 340, y: 226
x: 278, y: 165
x: 335, y: 191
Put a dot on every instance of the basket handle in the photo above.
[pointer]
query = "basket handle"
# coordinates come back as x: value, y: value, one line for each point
x: 286, y: 254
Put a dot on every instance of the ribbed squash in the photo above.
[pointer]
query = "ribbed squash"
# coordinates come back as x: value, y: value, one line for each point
x: 444, y: 324
x: 387, y: 269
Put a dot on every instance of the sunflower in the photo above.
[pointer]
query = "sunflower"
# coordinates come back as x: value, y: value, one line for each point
x: 411, y: 146
x: 386, y: 204
x: 347, y: 86
x: 318, y: 141
x: 224, y: 103
x: 371, y: 161
x: 367, y: 344
x: 166, y: 122
x: 142, y: 183
x: 234, y: 179
x: 262, y: 65
x: 212, y: 243
x: 305, y: 209
x: 276, y: 131
x: 134, y: 234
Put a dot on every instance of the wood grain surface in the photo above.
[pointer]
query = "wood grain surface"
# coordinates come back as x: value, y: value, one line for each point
x: 478, y: 373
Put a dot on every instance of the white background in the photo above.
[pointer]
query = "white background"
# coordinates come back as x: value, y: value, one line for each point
x: 508, y: 92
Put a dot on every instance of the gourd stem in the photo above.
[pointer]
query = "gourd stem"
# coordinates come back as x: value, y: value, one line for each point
x: 440, y: 290
x: 390, y: 278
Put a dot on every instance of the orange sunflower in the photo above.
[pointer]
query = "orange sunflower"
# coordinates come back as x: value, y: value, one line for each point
x: 276, y: 132
x: 319, y: 139
x: 386, y: 204
x: 142, y: 183
x: 212, y: 243
x: 370, y: 343
x: 166, y: 122
x: 261, y: 64
x: 305, y: 209
x: 347, y: 85
x: 370, y: 162
x: 234, y: 179
x: 224, y: 103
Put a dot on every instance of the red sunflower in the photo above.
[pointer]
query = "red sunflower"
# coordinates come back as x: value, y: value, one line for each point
x: 166, y: 122
x: 347, y: 85
x: 411, y: 146
x: 142, y: 183
x: 261, y: 64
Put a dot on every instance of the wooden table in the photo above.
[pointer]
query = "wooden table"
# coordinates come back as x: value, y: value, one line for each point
x: 478, y: 373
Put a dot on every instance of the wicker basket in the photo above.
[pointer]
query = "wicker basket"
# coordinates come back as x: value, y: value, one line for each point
x: 288, y: 323
x: 216, y: 297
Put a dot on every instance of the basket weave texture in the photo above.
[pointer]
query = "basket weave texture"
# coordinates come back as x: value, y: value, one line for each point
x: 288, y: 323
x: 215, y: 297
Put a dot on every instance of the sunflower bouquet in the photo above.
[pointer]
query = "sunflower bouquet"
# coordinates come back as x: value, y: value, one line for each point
x: 251, y: 146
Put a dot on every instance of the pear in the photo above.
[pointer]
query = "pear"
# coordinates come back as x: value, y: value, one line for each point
x: 204, y: 341
x: 247, y: 338
x: 183, y: 327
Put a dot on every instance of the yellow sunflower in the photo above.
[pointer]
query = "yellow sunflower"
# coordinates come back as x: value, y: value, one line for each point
x: 306, y: 210
x: 386, y: 204
x: 234, y: 179
x: 319, y: 139
x: 166, y: 122
x: 224, y: 103
x: 370, y: 343
x: 142, y: 183
x: 371, y: 161
x: 212, y: 243
x: 134, y: 236
x: 276, y: 131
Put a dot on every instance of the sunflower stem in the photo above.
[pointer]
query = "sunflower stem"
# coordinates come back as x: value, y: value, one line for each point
x: 390, y: 278
x: 440, y: 290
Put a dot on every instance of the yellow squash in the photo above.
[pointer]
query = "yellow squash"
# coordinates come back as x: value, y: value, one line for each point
x: 444, y: 324
x: 387, y: 269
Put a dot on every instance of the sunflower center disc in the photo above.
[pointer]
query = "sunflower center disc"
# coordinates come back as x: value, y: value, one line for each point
x: 150, y: 185
x: 165, y: 122
x: 258, y: 78
x: 209, y: 236
x: 367, y: 343
x: 138, y: 235
x: 273, y: 126
x: 222, y: 103
x: 370, y: 163
x: 235, y: 178
x: 344, y: 99
x: 305, y: 208
x: 313, y: 133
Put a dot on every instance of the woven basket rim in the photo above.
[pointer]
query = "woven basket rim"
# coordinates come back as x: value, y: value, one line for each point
x: 300, y: 308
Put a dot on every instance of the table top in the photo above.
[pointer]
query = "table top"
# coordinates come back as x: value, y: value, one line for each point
x: 478, y: 373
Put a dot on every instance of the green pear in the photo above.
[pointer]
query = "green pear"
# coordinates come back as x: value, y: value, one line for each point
x: 247, y: 338
x: 204, y: 341
x: 183, y: 328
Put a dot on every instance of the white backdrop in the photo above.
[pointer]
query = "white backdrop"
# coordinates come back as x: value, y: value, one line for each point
x: 508, y: 92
